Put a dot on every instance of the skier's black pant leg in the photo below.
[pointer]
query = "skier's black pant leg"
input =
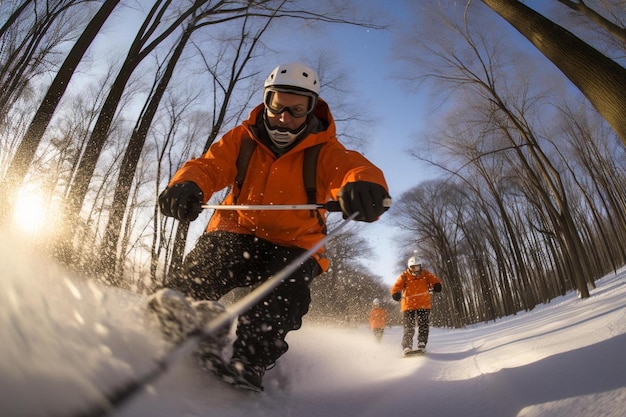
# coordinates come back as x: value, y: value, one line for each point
x: 409, y: 322
x: 216, y: 265
x: 221, y: 261
x: 423, y: 325
x: 412, y: 319
x: 378, y: 334
x: 262, y: 330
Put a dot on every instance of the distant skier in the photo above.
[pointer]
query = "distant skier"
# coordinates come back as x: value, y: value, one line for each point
x: 413, y: 287
x: 377, y: 319
x: 244, y: 248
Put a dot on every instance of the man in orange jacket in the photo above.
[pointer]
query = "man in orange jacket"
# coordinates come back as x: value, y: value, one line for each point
x: 378, y: 319
x: 413, y: 288
x: 244, y: 248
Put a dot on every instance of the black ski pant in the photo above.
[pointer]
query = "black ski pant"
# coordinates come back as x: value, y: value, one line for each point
x: 222, y: 261
x: 378, y: 334
x: 410, y: 319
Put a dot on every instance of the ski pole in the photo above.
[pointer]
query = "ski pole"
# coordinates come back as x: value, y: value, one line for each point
x: 416, y: 295
x: 121, y: 395
x: 332, y: 206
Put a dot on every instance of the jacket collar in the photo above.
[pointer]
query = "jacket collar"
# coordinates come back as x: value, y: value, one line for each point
x: 321, y: 126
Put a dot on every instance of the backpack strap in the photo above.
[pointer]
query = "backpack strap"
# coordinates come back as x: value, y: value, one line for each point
x: 243, y: 159
x: 309, y: 173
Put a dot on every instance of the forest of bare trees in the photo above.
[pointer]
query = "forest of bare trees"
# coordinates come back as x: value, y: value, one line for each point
x: 531, y: 202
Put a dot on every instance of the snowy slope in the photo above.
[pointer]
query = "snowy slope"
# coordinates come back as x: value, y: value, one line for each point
x: 66, y: 341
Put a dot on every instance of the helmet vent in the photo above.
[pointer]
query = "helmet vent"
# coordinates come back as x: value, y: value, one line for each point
x: 293, y: 75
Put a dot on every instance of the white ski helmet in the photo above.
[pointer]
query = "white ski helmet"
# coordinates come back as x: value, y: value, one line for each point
x: 292, y: 78
x: 295, y: 78
x: 413, y: 261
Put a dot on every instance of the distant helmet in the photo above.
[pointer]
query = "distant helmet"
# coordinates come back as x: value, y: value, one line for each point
x: 414, y: 260
x: 376, y: 301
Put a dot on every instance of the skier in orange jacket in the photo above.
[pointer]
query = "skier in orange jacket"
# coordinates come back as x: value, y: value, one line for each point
x: 413, y: 288
x: 242, y: 248
x: 378, y: 319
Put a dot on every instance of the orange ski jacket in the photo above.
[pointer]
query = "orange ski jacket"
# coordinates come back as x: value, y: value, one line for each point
x: 272, y: 179
x: 415, y: 289
x: 378, y: 318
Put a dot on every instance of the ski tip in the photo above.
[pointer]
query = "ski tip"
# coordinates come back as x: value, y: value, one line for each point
x: 415, y: 352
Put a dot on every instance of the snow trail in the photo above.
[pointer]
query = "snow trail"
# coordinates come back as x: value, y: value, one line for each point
x: 67, y: 341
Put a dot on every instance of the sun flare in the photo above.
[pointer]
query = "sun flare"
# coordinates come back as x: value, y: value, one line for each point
x: 30, y: 212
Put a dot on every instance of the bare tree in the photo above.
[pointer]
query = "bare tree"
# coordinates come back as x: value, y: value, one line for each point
x: 600, y: 79
x: 432, y: 213
x: 29, y: 43
x: 344, y: 293
x: 246, y: 45
x: 147, y: 39
x: 547, y: 221
x: 99, y: 152
x: 25, y: 152
x: 596, y: 161
x: 611, y: 26
x: 180, y: 132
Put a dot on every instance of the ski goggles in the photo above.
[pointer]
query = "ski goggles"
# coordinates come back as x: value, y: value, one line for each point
x: 295, y: 111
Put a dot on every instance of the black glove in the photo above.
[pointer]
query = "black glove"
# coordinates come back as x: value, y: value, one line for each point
x: 437, y: 287
x: 364, y: 197
x: 397, y: 296
x: 182, y: 201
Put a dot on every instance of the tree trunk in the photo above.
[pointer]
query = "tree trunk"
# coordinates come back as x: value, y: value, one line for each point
x: 134, y: 57
x: 130, y: 160
x: 25, y: 152
x: 178, y: 252
x: 599, y: 78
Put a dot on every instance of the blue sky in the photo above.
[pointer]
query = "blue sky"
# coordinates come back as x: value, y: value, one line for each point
x: 399, y: 117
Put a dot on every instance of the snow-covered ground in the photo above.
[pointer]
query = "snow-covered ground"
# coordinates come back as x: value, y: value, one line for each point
x: 65, y: 341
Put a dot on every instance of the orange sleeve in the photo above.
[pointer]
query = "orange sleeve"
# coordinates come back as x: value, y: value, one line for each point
x: 398, y: 286
x: 342, y: 166
x: 216, y: 169
x: 432, y: 279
